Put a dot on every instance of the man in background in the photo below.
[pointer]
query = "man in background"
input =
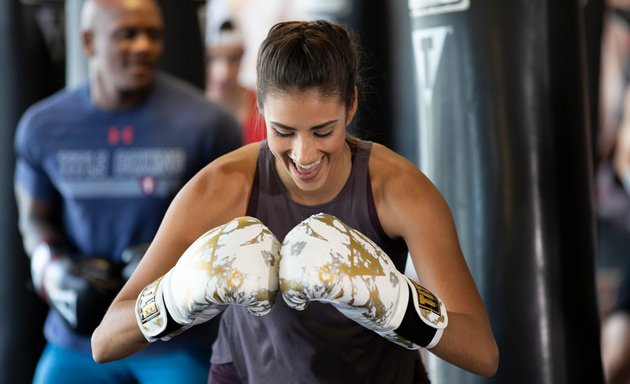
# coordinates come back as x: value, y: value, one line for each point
x: 96, y: 168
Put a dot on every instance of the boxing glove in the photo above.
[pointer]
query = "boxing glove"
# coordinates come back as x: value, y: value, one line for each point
x: 79, y: 289
x: 235, y: 263
x: 130, y: 258
x: 322, y: 259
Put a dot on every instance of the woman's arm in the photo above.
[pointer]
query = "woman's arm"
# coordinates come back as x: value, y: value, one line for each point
x: 410, y: 207
x: 213, y: 197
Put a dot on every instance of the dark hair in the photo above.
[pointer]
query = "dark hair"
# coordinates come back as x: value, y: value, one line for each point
x: 302, y: 55
x: 227, y: 26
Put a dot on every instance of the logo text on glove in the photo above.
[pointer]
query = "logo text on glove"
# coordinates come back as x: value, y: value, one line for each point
x: 148, y: 307
x: 427, y: 300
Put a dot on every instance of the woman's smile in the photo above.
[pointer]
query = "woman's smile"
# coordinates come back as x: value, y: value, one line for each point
x: 308, y: 171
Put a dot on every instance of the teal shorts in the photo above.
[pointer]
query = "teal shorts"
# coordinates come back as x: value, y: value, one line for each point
x: 60, y: 365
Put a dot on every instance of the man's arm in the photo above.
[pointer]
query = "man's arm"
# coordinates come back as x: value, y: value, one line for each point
x: 79, y: 288
x: 37, y: 219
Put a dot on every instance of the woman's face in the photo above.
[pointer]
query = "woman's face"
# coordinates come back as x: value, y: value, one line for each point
x: 223, y: 66
x: 306, y: 134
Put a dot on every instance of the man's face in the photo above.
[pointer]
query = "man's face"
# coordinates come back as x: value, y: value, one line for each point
x: 126, y: 44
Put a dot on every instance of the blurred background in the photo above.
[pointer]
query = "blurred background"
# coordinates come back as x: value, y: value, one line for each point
x: 512, y: 108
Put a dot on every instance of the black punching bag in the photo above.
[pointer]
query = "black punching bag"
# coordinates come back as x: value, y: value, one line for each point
x: 27, y: 74
x: 183, y: 43
x: 370, y: 23
x: 503, y: 131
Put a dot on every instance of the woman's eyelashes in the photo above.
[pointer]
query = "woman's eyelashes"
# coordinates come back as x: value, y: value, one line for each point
x: 282, y: 133
x: 323, y: 134
x: 317, y: 133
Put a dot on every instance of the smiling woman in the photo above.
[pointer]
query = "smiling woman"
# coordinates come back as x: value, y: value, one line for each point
x: 307, y: 137
x: 348, y: 211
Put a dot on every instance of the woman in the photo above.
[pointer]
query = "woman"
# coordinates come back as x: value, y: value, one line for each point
x: 224, y: 51
x: 307, y: 76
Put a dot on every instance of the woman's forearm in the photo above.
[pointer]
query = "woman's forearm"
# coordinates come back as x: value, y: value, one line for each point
x: 118, y: 335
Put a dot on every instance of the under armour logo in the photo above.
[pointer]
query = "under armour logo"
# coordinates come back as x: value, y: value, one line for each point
x: 116, y: 135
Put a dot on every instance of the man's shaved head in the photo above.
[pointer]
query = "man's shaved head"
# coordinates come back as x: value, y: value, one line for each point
x: 93, y: 9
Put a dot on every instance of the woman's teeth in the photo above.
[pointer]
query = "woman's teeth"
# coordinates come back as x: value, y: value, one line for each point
x: 307, y: 166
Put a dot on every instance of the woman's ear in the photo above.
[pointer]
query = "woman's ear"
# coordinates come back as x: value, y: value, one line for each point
x: 353, y: 109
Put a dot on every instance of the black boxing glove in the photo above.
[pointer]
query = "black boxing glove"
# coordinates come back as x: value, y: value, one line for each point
x: 80, y: 290
x: 131, y: 258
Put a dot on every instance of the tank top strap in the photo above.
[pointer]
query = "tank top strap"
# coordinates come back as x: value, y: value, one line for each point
x: 262, y: 178
x: 360, y: 164
x: 362, y: 180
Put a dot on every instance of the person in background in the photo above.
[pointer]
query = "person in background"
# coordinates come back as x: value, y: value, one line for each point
x: 304, y: 255
x: 96, y: 168
x: 616, y: 322
x: 224, y: 51
x: 613, y: 192
x: 616, y: 335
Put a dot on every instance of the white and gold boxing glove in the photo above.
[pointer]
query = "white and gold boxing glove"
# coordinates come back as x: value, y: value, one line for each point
x: 322, y: 259
x: 235, y: 263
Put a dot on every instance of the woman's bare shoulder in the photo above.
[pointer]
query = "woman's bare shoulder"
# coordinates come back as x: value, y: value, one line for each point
x: 233, y: 168
x: 402, y: 193
x: 390, y: 169
x: 224, y: 185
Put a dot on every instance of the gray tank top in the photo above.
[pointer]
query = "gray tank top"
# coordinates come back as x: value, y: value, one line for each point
x: 319, y: 344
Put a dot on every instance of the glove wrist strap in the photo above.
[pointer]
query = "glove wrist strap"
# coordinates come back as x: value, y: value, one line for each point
x: 152, y: 316
x: 427, y: 307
